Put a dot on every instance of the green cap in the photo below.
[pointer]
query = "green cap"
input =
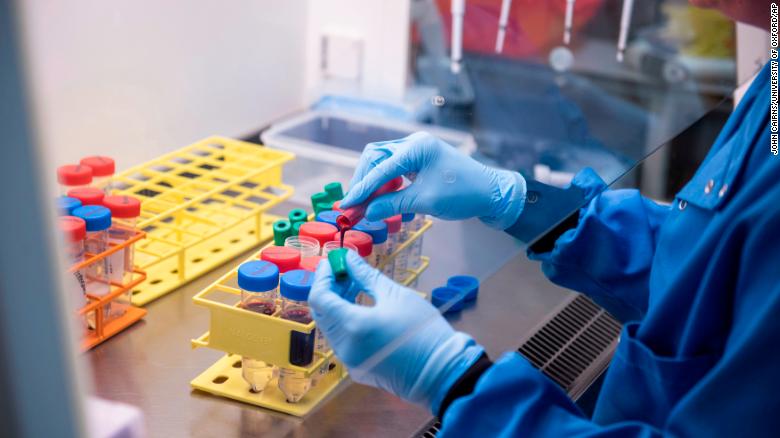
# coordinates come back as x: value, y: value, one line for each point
x: 282, y: 230
x: 323, y: 206
x: 318, y: 198
x: 334, y: 191
x: 298, y: 215
x: 296, y: 228
x: 338, y: 263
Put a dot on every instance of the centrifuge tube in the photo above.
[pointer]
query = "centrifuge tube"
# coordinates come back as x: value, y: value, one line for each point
x: 416, y: 248
x: 393, y: 241
x: 258, y: 281
x: 74, y: 230
x: 124, y: 211
x: 378, y: 232
x: 102, y: 171
x: 87, y: 195
x: 72, y: 176
x: 285, y: 258
x: 294, y: 287
x: 98, y: 221
x: 401, y: 265
x: 66, y: 205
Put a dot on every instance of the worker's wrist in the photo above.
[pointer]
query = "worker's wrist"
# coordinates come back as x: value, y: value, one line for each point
x: 508, y: 199
x: 465, y: 383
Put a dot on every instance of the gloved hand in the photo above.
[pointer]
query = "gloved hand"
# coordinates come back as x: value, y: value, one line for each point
x: 400, y: 344
x: 445, y: 183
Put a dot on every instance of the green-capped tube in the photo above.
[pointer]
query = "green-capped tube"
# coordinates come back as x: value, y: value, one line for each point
x: 338, y: 263
x: 334, y: 191
x: 298, y: 215
x: 296, y: 228
x: 282, y: 230
x: 322, y: 206
x: 318, y: 198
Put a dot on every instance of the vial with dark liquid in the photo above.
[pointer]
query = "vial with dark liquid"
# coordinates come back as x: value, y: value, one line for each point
x: 294, y: 287
x: 258, y: 281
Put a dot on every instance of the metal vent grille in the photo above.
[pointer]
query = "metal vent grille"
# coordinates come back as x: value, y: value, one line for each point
x: 575, y: 346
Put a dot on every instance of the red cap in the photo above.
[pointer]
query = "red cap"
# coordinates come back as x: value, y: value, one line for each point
x: 361, y: 240
x: 310, y: 263
x: 74, y: 228
x: 284, y: 257
x: 87, y: 195
x: 321, y: 231
x: 74, y: 175
x: 101, y: 166
x: 336, y: 206
x: 123, y: 206
x: 393, y: 224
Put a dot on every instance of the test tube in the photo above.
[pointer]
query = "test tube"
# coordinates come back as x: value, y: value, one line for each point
x: 258, y: 281
x: 98, y: 221
x: 74, y: 230
x: 72, y: 176
x: 66, y: 205
x: 378, y: 232
x: 328, y: 216
x: 87, y: 195
x: 401, y: 266
x: 125, y: 211
x: 415, y: 251
x: 294, y: 287
x: 285, y: 258
x: 318, y: 230
x: 362, y: 241
x: 102, y: 171
x: 393, y: 241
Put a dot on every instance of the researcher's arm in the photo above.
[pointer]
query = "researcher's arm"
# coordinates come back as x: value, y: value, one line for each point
x: 606, y: 249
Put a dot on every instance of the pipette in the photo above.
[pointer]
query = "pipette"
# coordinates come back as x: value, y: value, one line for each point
x: 568, y: 23
x: 506, y: 5
x: 456, y: 50
x: 625, y: 25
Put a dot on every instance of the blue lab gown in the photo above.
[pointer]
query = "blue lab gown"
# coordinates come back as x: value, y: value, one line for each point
x: 703, y: 275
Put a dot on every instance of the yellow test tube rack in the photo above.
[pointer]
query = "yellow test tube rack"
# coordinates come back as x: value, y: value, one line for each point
x: 239, y: 332
x: 201, y: 206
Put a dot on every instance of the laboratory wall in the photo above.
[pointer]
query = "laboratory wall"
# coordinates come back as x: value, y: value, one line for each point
x: 136, y: 78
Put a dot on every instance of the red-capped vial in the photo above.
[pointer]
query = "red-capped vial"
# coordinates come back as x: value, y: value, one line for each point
x: 310, y: 263
x: 87, y: 195
x: 125, y: 211
x: 103, y: 169
x: 72, y: 176
x: 284, y: 257
x: 74, y: 230
x: 362, y: 241
x: 321, y: 231
x: 393, y: 241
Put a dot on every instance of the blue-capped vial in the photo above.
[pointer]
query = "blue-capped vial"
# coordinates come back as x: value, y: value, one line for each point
x: 66, y: 205
x: 294, y: 286
x: 258, y: 281
x: 328, y: 216
x: 378, y: 232
x: 98, y: 220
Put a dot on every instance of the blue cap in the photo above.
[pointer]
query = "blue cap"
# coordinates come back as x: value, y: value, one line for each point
x: 377, y: 230
x: 407, y: 217
x: 466, y: 283
x: 258, y: 276
x: 328, y: 216
x: 443, y: 295
x: 97, y: 217
x: 296, y: 284
x: 66, y: 205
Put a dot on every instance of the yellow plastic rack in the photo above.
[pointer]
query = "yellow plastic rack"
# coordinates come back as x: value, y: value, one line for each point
x: 240, y: 332
x: 201, y: 206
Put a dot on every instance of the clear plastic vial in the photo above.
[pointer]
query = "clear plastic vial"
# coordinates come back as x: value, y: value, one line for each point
x: 258, y: 281
x: 335, y: 244
x: 98, y: 221
x: 378, y: 232
x: 307, y: 246
x: 401, y: 268
x: 73, y: 176
x: 102, y: 171
x: 393, y: 241
x: 415, y: 250
x: 124, y: 211
x: 74, y: 230
x: 294, y: 287
x: 87, y: 195
x: 321, y: 231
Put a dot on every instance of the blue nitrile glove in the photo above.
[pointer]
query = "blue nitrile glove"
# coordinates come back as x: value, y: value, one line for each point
x: 446, y: 183
x: 400, y: 344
